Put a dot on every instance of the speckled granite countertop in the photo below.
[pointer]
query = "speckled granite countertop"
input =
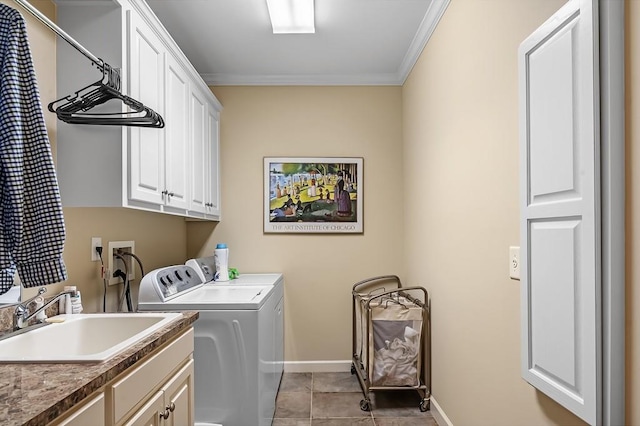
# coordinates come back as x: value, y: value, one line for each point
x: 34, y: 394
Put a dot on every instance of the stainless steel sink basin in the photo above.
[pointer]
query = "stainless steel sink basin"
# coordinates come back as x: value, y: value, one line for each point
x: 82, y: 337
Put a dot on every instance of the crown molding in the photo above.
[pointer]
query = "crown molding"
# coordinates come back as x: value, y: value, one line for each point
x: 222, y: 79
x: 425, y: 30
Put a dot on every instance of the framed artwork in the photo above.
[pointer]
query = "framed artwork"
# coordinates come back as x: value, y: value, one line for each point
x: 313, y: 195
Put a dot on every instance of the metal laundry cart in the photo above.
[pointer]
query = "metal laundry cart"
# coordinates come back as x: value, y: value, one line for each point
x: 391, y: 338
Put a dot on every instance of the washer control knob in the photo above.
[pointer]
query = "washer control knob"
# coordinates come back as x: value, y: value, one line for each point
x: 178, y: 276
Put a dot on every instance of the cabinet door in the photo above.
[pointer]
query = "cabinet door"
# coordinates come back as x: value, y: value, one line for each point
x: 177, y: 144
x: 198, y: 109
x: 149, y: 414
x: 146, y: 145
x: 90, y: 413
x: 212, y: 194
x: 178, y: 394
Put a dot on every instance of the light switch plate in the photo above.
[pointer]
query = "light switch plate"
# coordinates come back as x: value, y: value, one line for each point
x: 514, y: 262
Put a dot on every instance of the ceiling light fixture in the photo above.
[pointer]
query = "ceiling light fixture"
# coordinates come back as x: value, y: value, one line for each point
x: 291, y: 16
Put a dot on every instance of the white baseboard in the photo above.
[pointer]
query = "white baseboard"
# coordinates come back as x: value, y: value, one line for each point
x: 439, y: 414
x: 317, y: 366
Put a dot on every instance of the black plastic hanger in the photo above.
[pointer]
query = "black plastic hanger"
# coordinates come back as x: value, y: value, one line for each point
x: 74, y: 108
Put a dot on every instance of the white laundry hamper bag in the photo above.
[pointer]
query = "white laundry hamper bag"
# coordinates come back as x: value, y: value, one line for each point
x: 395, y: 336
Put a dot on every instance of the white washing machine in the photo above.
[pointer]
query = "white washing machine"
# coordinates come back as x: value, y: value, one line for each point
x: 239, y: 351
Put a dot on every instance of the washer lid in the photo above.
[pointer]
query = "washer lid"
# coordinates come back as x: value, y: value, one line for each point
x: 251, y: 279
x: 217, y: 297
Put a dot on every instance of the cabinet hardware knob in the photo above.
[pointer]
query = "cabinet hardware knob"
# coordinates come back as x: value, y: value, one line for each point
x: 164, y: 415
x: 171, y: 194
x: 172, y: 407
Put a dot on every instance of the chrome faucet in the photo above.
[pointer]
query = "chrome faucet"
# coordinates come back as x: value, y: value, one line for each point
x: 21, y: 315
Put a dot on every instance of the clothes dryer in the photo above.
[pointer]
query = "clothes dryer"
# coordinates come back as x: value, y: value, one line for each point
x: 239, y: 352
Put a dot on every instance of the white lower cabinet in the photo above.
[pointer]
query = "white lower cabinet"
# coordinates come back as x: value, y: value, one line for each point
x: 172, y: 405
x: 151, y: 413
x: 158, y: 391
x: 179, y: 398
x: 87, y: 413
x: 130, y: 397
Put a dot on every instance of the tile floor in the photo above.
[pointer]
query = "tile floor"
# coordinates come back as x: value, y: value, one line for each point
x: 333, y: 399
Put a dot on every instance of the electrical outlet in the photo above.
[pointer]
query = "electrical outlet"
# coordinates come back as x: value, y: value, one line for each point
x: 514, y: 262
x: 95, y: 242
x: 116, y: 263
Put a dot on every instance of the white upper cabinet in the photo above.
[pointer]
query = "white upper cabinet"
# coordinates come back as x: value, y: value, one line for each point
x: 213, y: 170
x: 205, y: 147
x: 165, y: 170
x: 146, y: 145
x: 198, y: 108
x: 177, y: 147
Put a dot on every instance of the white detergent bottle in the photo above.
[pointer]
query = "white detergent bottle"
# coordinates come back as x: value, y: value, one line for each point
x: 221, y: 256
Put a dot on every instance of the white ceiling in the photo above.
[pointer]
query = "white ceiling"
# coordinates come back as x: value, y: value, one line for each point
x: 357, y: 42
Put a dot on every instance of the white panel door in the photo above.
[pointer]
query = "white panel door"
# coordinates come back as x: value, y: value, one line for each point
x: 146, y: 69
x: 560, y: 233
x: 177, y: 146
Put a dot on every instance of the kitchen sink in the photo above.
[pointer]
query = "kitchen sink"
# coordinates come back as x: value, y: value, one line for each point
x: 82, y: 337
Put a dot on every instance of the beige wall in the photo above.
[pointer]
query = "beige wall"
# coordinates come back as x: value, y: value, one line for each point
x: 633, y: 206
x: 319, y: 270
x: 160, y: 240
x: 458, y: 167
x: 460, y: 124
